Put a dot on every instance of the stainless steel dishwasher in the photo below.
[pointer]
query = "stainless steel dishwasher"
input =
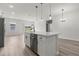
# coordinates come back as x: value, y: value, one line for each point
x: 33, y: 42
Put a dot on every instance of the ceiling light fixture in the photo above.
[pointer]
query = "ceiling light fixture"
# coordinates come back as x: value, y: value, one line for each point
x: 11, y: 6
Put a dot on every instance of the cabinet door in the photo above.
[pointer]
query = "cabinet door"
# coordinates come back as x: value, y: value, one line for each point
x: 47, y: 46
x: 51, y: 45
x: 27, y: 39
x: 41, y: 45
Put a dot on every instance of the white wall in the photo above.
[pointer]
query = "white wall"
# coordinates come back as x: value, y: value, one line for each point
x: 28, y: 23
x: 18, y: 29
x: 40, y: 25
x: 19, y: 26
x: 70, y: 28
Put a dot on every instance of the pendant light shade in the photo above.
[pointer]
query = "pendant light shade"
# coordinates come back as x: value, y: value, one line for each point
x: 50, y: 17
x: 63, y: 19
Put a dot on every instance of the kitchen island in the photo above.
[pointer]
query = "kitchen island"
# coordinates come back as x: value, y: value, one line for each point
x: 42, y: 43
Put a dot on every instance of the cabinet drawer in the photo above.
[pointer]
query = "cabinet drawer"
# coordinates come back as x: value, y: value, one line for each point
x: 40, y: 37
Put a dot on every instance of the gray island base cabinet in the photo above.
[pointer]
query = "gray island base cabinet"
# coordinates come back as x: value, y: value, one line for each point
x: 46, y: 43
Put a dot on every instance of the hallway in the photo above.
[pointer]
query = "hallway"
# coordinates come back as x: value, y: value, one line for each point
x: 14, y: 46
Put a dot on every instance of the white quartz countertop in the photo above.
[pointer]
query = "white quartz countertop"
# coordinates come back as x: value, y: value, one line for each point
x: 44, y: 33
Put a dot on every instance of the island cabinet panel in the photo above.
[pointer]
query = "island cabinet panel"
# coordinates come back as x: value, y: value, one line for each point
x: 41, y: 45
x: 27, y: 39
x: 47, y: 45
x: 51, y: 49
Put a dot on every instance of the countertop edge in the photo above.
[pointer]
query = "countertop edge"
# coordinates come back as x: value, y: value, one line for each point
x: 44, y: 34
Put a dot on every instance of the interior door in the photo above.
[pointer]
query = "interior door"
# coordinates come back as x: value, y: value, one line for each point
x: 1, y: 32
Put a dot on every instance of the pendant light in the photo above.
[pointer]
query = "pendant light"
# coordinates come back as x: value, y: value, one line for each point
x: 41, y: 11
x: 50, y: 16
x: 36, y: 11
x: 63, y: 19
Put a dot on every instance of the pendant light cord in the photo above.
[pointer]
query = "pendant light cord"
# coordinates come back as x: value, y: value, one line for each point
x: 36, y: 11
x: 41, y: 10
x: 50, y: 15
x: 50, y: 9
x: 62, y: 13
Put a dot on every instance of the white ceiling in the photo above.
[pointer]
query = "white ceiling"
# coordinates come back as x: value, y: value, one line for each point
x: 27, y: 10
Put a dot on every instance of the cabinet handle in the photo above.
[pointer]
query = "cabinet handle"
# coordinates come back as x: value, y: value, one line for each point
x: 40, y: 37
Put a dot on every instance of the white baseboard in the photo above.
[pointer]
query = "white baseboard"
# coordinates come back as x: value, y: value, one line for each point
x: 74, y: 39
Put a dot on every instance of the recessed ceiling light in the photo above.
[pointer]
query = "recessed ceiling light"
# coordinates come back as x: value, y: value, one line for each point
x: 11, y: 6
x: 12, y: 13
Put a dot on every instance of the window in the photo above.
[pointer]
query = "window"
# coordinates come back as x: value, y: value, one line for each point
x: 12, y: 27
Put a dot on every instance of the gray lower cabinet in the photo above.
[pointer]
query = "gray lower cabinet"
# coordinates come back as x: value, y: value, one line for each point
x: 34, y: 42
x: 47, y: 45
x: 27, y: 39
x: 41, y: 45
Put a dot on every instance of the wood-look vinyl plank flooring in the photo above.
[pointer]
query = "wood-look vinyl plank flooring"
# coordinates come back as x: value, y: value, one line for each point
x: 14, y: 46
x: 68, y: 47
